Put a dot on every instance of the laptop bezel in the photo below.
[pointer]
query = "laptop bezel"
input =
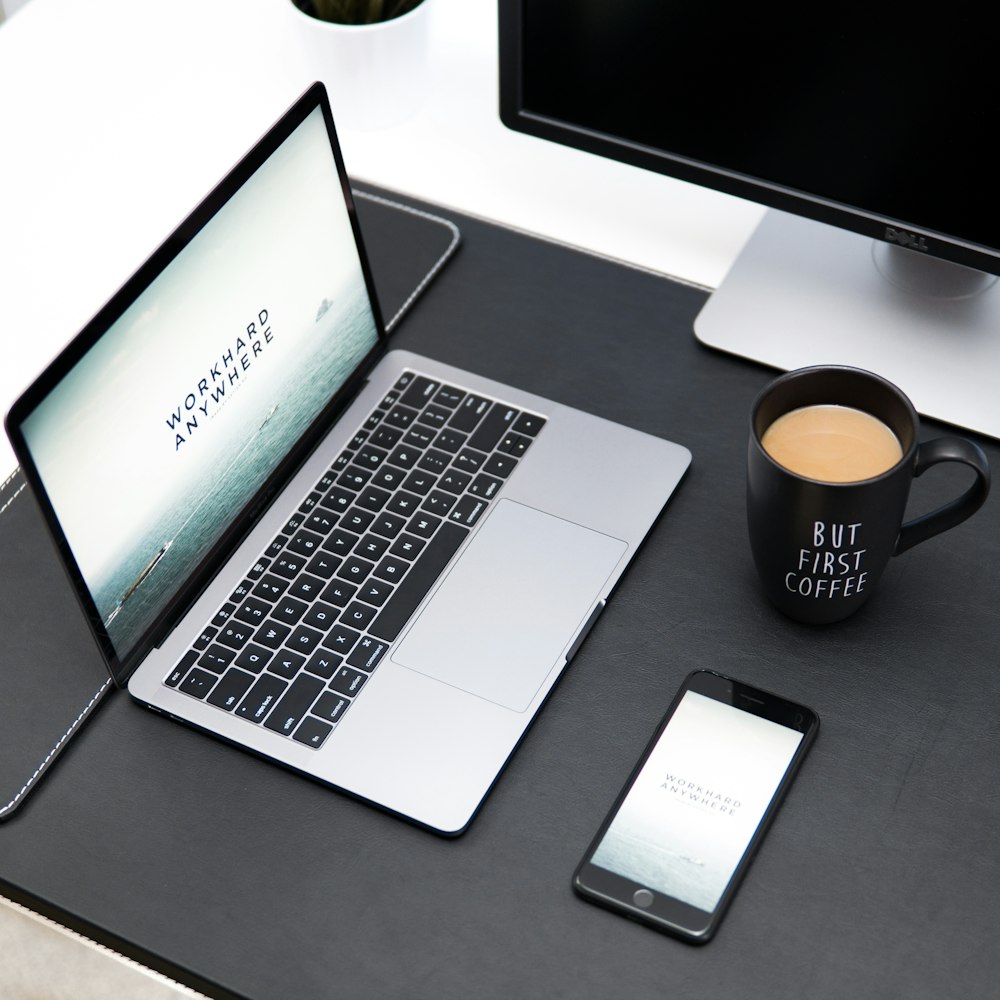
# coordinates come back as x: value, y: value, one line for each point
x: 122, y: 665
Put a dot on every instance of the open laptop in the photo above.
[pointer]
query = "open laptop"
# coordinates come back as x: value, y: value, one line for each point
x: 361, y: 563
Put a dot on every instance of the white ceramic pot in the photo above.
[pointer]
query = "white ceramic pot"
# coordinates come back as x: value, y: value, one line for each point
x: 376, y: 74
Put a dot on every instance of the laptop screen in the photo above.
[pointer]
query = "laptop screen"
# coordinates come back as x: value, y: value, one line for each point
x: 173, y: 420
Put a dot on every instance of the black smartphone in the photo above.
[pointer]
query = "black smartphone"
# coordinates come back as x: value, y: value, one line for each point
x: 680, y: 836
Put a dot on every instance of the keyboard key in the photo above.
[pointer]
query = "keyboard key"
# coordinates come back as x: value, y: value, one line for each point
x: 469, y: 461
x: 419, y: 482
x: 370, y: 457
x: 404, y: 456
x: 198, y: 682
x: 435, y: 461
x: 235, y: 635
x: 254, y: 657
x: 313, y: 732
x: 261, y: 697
x: 253, y: 611
x: 493, y: 427
x: 207, y: 635
x: 270, y: 587
x: 388, y: 525
x: 357, y: 520
x: 177, y: 674
x: 222, y: 615
x: 289, y: 610
x: 286, y: 664
x: 400, y: 417
x: 355, y: 569
x: 323, y: 566
x: 467, y: 511
x: 323, y: 664
x: 341, y: 542
x: 454, y: 481
x: 471, y: 411
x: 354, y: 478
x: 348, y: 681
x: 407, y: 546
x: 438, y: 502
x: 434, y: 416
x: 330, y: 706
x: 450, y: 440
x: 339, y: 592
x: 528, y: 423
x: 216, y: 658
x: 304, y: 639
x: 288, y: 565
x: 341, y: 639
x: 449, y: 396
x: 271, y: 634
x: 386, y: 437
x: 321, y: 616
x: 420, y: 391
x: 307, y: 588
x: 499, y: 465
x: 321, y: 522
x: 419, y: 437
x: 388, y: 477
x: 358, y: 615
x: 305, y: 542
x: 375, y: 591
x: 421, y: 577
x: 423, y: 525
x: 294, y: 704
x: 485, y: 486
x: 372, y: 498
x: 367, y: 653
x: 233, y: 686
x: 338, y: 499
x: 514, y: 444
x: 391, y: 569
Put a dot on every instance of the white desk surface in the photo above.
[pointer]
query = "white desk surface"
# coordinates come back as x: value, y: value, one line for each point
x: 116, y: 117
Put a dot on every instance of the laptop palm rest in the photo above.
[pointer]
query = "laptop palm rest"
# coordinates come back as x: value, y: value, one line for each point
x: 511, y: 605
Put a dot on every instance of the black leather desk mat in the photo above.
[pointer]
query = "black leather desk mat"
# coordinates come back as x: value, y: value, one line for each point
x: 877, y: 880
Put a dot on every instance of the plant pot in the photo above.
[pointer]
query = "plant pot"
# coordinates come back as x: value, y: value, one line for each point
x: 376, y: 74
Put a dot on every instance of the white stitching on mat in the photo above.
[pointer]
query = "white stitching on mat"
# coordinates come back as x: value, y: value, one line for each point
x: 69, y: 732
x: 48, y: 757
x: 449, y: 250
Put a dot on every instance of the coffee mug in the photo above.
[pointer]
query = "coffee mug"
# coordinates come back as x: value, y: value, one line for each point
x: 821, y: 534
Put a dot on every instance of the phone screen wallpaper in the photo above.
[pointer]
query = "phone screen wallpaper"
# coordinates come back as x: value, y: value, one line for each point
x: 173, y: 420
x: 686, y: 822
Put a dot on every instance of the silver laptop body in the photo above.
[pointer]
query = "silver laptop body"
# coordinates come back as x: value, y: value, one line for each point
x: 246, y: 371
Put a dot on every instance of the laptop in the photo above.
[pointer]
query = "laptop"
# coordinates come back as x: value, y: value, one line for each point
x: 358, y: 562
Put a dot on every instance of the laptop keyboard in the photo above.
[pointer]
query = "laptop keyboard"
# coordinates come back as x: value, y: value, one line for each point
x: 297, y: 640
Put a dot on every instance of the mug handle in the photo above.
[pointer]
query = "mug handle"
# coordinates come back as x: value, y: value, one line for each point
x: 946, y: 449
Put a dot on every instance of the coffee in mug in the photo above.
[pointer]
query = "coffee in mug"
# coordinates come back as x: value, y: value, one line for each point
x: 832, y: 443
x: 831, y: 456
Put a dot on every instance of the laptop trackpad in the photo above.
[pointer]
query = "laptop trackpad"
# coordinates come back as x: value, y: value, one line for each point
x: 509, y: 608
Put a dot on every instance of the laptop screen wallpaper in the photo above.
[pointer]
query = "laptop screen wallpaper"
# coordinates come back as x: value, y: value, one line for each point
x: 169, y: 425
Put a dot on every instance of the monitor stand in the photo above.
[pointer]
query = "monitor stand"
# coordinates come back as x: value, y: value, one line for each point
x: 802, y: 293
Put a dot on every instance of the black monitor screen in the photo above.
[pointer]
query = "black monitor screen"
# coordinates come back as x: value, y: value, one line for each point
x: 861, y: 116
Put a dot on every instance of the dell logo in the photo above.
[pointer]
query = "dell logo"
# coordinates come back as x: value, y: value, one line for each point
x: 905, y: 239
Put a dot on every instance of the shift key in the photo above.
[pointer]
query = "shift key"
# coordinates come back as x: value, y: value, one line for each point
x: 294, y: 704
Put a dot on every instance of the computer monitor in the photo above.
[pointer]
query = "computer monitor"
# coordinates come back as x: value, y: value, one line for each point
x: 867, y: 133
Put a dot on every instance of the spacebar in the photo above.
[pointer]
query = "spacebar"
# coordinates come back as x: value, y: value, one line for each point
x: 418, y: 581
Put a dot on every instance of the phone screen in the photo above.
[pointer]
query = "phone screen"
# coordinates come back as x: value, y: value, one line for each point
x: 683, y: 826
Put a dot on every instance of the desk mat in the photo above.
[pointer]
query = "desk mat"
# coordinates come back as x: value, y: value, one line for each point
x: 52, y: 677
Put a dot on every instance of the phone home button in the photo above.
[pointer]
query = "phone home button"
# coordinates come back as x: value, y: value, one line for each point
x: 643, y: 898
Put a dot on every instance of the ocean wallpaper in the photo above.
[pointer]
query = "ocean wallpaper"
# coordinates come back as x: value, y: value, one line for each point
x: 172, y: 421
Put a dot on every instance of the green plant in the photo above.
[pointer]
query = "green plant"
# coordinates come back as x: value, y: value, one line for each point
x: 355, y: 11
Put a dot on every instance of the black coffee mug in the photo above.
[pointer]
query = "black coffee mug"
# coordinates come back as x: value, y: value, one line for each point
x: 820, y: 547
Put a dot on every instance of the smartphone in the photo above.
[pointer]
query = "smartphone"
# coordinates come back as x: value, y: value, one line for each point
x: 678, y: 840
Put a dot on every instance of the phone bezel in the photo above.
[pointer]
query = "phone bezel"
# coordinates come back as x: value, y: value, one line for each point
x: 666, y: 913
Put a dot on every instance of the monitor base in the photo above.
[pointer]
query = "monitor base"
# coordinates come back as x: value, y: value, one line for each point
x: 803, y: 293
